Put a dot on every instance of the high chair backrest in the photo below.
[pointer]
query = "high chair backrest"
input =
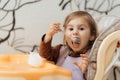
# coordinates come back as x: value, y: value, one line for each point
x: 104, y: 49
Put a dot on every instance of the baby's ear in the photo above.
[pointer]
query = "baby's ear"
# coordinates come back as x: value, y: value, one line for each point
x: 92, y: 38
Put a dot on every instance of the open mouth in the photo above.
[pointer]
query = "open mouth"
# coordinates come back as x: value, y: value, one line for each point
x: 76, y: 41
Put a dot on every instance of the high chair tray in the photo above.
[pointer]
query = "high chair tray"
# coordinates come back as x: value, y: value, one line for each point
x: 16, y: 67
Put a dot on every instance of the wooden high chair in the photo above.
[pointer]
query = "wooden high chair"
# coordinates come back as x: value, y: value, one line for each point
x: 105, y: 52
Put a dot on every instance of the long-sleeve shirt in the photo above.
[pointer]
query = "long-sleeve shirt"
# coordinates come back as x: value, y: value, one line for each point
x: 60, y: 56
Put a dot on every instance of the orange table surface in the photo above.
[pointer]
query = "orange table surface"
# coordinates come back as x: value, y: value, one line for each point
x: 16, y: 67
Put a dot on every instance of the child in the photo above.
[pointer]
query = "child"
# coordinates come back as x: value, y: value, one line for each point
x: 80, y: 31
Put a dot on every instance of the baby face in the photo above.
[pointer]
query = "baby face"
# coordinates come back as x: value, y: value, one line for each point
x: 77, y: 34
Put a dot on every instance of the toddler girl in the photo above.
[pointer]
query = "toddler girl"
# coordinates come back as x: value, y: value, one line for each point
x: 80, y: 32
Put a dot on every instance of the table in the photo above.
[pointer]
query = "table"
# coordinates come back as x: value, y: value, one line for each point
x: 16, y: 67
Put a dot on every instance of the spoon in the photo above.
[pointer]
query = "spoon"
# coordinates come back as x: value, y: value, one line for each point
x: 76, y: 39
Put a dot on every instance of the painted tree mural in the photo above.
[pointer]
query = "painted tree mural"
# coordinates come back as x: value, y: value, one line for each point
x: 93, y: 6
x: 8, y: 28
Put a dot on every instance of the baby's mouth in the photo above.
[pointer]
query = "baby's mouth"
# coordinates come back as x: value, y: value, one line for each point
x: 76, y: 41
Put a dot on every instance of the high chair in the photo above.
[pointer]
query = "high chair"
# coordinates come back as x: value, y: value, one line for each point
x: 105, y: 53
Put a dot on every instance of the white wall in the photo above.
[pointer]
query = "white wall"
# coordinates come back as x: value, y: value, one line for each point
x: 35, y: 19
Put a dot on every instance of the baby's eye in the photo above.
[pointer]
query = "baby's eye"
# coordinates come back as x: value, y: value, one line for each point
x: 81, y: 28
x: 70, y: 29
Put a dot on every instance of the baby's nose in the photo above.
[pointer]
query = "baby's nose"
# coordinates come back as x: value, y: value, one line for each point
x: 75, y: 32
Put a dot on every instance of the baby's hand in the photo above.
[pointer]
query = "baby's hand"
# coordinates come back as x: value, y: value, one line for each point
x: 83, y: 65
x: 54, y: 28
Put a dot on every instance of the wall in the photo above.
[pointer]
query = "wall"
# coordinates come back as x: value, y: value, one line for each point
x: 23, y: 22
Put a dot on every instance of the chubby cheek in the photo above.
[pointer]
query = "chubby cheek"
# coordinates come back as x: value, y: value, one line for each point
x: 85, y: 40
x: 68, y: 38
x: 67, y: 33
